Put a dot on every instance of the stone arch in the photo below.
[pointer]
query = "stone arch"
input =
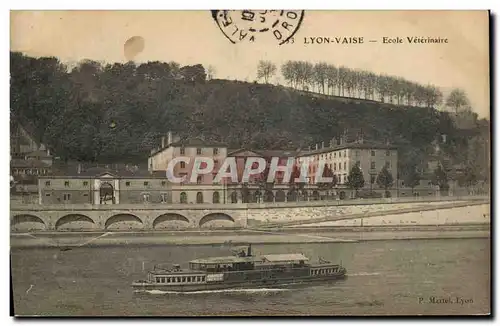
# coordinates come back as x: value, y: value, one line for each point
x: 123, y: 222
x: 170, y: 221
x: 304, y: 195
x: 342, y: 195
x: 184, y: 198
x: 75, y: 222
x: 315, y: 195
x: 27, y: 222
x: 216, y: 197
x: 268, y: 196
x: 199, y: 197
x: 216, y: 220
x: 291, y: 196
x: 280, y: 196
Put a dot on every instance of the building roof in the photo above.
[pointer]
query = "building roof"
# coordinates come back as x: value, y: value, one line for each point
x: 97, y: 172
x: 263, y: 152
x: 190, y: 142
x: 363, y: 145
x: 18, y: 163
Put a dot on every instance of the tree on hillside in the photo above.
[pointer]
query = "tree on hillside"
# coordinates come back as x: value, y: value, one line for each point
x: 355, y: 179
x: 385, y: 179
x: 265, y: 70
x: 457, y: 100
x: 211, y: 71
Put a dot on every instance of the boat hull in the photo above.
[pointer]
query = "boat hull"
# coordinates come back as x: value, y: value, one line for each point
x: 224, y: 285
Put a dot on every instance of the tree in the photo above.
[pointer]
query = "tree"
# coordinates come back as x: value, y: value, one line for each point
x: 385, y: 179
x: 457, y: 100
x: 469, y: 177
x: 211, y: 72
x: 440, y: 178
x: 265, y: 70
x: 411, y: 177
x: 355, y: 179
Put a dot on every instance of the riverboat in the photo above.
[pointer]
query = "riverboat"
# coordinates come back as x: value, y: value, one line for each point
x: 242, y: 270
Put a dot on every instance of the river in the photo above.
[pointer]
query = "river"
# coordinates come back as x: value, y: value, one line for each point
x: 389, y: 277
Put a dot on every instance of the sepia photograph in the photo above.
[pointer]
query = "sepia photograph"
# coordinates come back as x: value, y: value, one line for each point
x: 230, y: 163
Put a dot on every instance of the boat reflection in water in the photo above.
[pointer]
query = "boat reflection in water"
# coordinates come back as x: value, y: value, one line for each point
x: 243, y: 270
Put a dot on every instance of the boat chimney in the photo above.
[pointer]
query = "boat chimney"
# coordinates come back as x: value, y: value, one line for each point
x: 249, y: 253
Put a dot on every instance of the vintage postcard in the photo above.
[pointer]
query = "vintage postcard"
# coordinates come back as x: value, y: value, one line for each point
x: 250, y: 163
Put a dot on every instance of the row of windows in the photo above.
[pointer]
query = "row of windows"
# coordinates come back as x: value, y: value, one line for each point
x: 86, y: 183
x: 215, y: 151
x: 180, y: 279
x: 334, y: 154
x: 324, y: 271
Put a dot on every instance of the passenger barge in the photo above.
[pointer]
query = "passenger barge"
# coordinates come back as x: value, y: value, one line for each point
x: 243, y: 270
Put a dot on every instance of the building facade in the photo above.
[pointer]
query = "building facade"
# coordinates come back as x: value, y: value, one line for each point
x: 370, y: 157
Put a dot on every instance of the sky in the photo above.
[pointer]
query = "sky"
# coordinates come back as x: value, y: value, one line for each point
x: 192, y: 37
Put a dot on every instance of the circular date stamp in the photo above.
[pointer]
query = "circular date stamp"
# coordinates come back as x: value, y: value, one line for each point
x: 252, y: 25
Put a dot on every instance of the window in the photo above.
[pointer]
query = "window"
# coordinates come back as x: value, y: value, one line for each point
x: 183, y: 165
x: 47, y: 183
x: 184, y: 198
x: 372, y: 179
x: 199, y: 179
x: 216, y: 197
x: 373, y: 153
x: 66, y: 197
x: 66, y: 183
x: 85, y: 195
x: 345, y: 165
x: 199, y: 198
x: 163, y: 183
x: 85, y: 183
x: 184, y: 279
x: 216, y: 151
x: 183, y: 151
x: 345, y: 178
x: 168, y: 279
x: 198, y: 151
x: 345, y: 153
x: 146, y: 183
x: 387, y: 153
x: 145, y: 197
x: 334, y: 166
x: 178, y: 279
x: 163, y: 198
x: 127, y: 183
x: 47, y: 195
x: 372, y: 165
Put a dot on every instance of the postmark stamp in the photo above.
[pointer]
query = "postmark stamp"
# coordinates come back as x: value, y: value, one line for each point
x: 252, y: 25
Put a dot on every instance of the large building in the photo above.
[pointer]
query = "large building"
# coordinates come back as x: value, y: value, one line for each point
x: 342, y: 157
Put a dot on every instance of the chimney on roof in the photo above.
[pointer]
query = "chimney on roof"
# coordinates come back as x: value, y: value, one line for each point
x: 341, y: 140
x: 169, y: 138
x: 322, y: 144
x: 316, y: 146
x: 333, y: 142
x: 162, y: 141
x: 79, y: 168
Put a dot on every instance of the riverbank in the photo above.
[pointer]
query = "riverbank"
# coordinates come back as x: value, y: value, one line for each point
x: 244, y: 236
